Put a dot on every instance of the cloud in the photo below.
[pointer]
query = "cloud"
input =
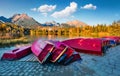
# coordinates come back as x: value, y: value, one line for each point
x: 89, y: 6
x: 44, y: 9
x: 65, y: 12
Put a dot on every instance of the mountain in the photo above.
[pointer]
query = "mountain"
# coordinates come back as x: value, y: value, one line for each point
x: 76, y: 23
x: 24, y: 20
x: 28, y: 22
x: 21, y: 20
x: 4, y: 19
x: 52, y: 23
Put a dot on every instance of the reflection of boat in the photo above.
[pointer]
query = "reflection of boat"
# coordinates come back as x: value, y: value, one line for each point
x: 55, y: 52
x: 16, y: 53
x: 88, y: 45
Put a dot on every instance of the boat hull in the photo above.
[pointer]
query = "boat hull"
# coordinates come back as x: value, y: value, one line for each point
x: 74, y: 57
x: 86, y: 45
x: 42, y: 50
x: 17, y: 53
x: 113, y: 38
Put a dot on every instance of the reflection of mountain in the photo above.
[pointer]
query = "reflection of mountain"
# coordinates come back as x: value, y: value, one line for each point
x: 76, y: 23
x: 21, y: 19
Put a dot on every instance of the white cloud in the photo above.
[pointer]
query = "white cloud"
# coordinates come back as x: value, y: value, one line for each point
x: 46, y: 8
x: 89, y: 6
x: 34, y: 9
x: 65, y: 12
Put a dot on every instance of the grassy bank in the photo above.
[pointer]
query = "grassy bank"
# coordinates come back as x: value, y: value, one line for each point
x: 11, y: 42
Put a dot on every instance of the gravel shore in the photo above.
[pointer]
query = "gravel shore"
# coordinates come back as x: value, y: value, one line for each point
x: 91, y: 65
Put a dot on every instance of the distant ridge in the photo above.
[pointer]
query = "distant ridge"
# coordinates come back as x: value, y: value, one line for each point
x: 4, y: 19
x: 76, y: 23
x: 29, y: 22
x: 52, y: 23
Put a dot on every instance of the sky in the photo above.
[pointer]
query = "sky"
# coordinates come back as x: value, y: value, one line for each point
x: 91, y: 12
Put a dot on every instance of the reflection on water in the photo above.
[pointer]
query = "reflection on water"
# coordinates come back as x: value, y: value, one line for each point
x: 27, y: 40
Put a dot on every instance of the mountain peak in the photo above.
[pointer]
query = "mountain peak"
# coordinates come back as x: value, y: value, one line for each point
x: 76, y: 23
x: 25, y: 16
x: 17, y: 17
x: 24, y: 20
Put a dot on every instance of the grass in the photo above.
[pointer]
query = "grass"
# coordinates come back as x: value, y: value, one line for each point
x: 12, y: 42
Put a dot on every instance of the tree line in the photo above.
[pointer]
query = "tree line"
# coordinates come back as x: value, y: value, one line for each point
x: 9, y: 30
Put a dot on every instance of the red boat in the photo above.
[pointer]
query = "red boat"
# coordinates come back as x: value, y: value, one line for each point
x: 112, y: 42
x: 61, y: 51
x: 68, y: 53
x: 105, y: 44
x: 87, y: 45
x: 74, y: 57
x: 115, y: 38
x: 42, y: 50
x: 17, y: 53
x: 56, y: 52
x: 68, y: 56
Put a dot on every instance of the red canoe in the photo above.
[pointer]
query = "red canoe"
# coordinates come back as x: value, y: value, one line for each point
x: 61, y: 51
x: 56, y: 52
x: 68, y: 56
x: 115, y: 38
x: 87, y: 45
x: 42, y: 50
x: 17, y: 53
x: 112, y: 42
x: 74, y: 57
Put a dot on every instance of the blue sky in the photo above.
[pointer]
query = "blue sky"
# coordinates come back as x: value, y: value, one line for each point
x: 89, y: 11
